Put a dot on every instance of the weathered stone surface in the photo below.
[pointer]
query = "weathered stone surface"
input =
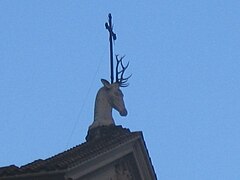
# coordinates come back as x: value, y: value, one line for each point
x: 108, y: 97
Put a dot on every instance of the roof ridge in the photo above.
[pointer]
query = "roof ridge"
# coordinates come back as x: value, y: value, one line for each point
x: 108, y: 139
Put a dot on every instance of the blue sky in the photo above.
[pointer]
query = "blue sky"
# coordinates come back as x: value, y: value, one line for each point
x: 184, y: 92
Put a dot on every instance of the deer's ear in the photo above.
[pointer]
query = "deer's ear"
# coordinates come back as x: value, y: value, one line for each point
x: 105, y: 83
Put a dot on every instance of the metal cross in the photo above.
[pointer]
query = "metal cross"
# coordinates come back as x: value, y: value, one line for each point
x: 112, y: 36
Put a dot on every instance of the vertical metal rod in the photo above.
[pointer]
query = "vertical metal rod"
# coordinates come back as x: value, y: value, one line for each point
x: 111, y: 48
x: 111, y: 34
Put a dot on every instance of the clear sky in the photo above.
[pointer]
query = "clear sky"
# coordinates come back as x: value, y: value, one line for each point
x: 184, y: 93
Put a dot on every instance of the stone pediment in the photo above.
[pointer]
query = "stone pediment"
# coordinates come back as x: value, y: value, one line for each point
x: 110, y: 153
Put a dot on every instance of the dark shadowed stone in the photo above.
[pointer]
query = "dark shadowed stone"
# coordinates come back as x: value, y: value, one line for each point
x: 105, y: 132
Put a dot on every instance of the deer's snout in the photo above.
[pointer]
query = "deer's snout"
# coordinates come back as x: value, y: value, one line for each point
x: 123, y: 112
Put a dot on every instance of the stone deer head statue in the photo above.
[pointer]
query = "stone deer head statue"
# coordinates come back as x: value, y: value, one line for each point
x: 110, y: 97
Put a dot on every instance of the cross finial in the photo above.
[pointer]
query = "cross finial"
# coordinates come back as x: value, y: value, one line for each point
x: 112, y: 36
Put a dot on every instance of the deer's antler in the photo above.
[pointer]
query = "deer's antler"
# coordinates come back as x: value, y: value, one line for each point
x: 122, y: 81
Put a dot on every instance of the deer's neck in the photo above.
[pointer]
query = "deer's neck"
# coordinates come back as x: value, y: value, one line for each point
x: 102, y: 110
